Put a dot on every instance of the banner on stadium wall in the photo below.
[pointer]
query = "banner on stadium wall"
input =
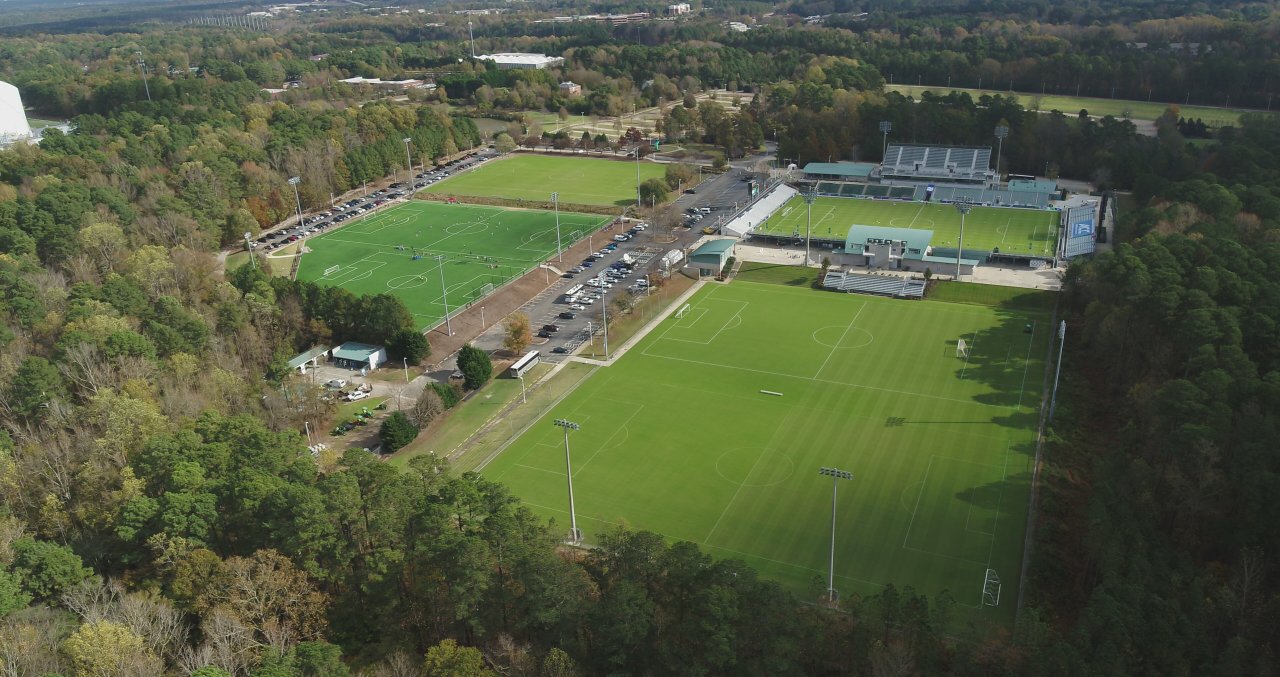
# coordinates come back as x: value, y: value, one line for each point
x: 1081, y: 229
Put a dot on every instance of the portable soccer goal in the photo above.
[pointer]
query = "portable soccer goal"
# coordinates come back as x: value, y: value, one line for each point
x: 482, y: 290
x: 683, y: 309
x: 331, y: 270
x: 991, y: 589
x: 962, y: 348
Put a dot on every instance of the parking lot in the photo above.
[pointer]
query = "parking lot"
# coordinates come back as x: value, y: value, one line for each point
x: 319, y: 222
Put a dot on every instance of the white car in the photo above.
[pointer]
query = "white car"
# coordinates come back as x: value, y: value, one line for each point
x: 356, y: 395
x: 640, y: 226
x: 336, y: 383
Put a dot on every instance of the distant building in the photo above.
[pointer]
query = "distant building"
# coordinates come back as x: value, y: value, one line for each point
x: 274, y: 92
x: 570, y: 89
x: 678, y: 9
x: 389, y: 84
x: 521, y: 60
x: 319, y: 57
x: 353, y: 355
x: 737, y: 26
x: 13, y: 117
x: 709, y: 259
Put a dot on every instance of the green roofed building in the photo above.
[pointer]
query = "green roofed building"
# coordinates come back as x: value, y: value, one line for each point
x: 1034, y: 185
x: 353, y: 355
x: 308, y: 359
x: 882, y: 248
x: 709, y: 259
x: 838, y: 171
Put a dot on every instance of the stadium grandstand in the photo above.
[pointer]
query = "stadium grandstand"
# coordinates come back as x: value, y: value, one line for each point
x: 838, y: 171
x: 952, y: 164
x: 881, y: 248
x: 896, y: 287
x: 989, y: 197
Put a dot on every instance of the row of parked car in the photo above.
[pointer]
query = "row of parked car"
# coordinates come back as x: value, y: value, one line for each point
x: 352, y: 208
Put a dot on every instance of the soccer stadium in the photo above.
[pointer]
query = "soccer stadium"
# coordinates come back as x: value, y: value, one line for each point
x: 437, y: 255
x: 713, y: 428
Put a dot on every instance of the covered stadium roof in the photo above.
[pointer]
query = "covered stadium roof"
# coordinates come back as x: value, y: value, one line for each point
x: 839, y: 170
x: 713, y: 248
x: 522, y: 59
x: 917, y: 240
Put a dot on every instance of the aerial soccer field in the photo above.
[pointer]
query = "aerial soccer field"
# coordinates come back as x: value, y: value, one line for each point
x: 1032, y: 232
x: 430, y: 254
x: 578, y: 180
x: 713, y: 428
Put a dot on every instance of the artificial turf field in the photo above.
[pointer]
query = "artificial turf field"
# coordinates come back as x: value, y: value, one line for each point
x: 1014, y: 231
x: 578, y: 180
x: 481, y: 246
x: 676, y: 437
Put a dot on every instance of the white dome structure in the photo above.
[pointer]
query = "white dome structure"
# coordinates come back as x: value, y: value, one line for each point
x: 13, y: 118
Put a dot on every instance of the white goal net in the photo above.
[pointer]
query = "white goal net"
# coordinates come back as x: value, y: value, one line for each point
x: 962, y: 348
x: 991, y: 589
x: 683, y: 309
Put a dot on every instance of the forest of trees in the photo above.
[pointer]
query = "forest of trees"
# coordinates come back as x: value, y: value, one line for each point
x: 160, y: 512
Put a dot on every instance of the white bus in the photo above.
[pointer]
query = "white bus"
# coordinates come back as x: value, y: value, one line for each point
x: 523, y: 364
x: 572, y: 291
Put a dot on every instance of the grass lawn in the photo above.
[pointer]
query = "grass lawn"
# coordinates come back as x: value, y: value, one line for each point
x: 677, y: 437
x: 347, y: 410
x: 993, y: 295
x: 395, y: 251
x: 776, y: 273
x: 1014, y: 231
x: 584, y: 181
x: 1071, y: 105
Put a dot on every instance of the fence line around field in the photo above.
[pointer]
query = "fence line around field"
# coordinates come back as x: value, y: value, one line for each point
x: 1037, y: 464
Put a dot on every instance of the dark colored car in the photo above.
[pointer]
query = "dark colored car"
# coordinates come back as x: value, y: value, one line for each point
x: 550, y: 327
x: 566, y: 315
x: 560, y: 349
x: 543, y: 333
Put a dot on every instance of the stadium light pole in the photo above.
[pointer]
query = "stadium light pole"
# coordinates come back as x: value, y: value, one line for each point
x: 522, y: 397
x: 809, y: 198
x: 963, y: 208
x: 885, y: 128
x: 836, y: 475
x: 604, y: 316
x: 294, y: 181
x: 408, y: 164
x: 249, y: 248
x: 1001, y: 132
x: 555, y: 200
x: 444, y: 296
x: 142, y: 66
x: 637, y: 177
x: 575, y: 536
x: 1062, y: 342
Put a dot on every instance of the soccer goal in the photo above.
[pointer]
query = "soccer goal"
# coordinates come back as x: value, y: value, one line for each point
x: 331, y: 270
x: 962, y: 348
x: 683, y: 309
x: 482, y: 290
x: 991, y: 589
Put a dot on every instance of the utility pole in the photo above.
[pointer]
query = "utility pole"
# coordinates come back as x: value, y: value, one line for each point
x: 885, y: 128
x: 1062, y: 342
x: 637, y: 178
x: 142, y: 66
x: 963, y: 208
x: 472, y: 34
x: 294, y: 181
x: 444, y: 296
x: 406, y: 368
x: 249, y: 248
x: 809, y: 198
x: 836, y: 475
x: 604, y: 317
x: 1001, y: 132
x: 575, y: 536
x: 408, y: 166
x: 555, y: 200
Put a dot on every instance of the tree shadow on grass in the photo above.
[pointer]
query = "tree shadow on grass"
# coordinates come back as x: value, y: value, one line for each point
x: 1008, y: 358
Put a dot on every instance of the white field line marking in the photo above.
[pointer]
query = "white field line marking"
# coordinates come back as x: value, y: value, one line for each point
x: 916, y: 510
x: 839, y: 340
x: 918, y: 213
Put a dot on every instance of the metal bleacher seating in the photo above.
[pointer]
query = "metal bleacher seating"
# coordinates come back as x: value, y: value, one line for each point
x: 878, y: 285
x: 937, y: 162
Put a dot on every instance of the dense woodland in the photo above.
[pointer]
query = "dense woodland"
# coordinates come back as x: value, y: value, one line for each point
x: 160, y: 512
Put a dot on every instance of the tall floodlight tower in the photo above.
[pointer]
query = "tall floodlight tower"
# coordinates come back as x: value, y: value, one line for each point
x: 836, y: 475
x: 472, y: 34
x: 575, y: 536
x: 555, y: 200
x: 294, y: 181
x: 1001, y: 132
x: 963, y: 208
x: 13, y: 117
x: 809, y: 198
x: 885, y: 128
x: 142, y: 66
x: 408, y: 165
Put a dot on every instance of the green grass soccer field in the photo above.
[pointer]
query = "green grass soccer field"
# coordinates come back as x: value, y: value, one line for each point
x: 1014, y: 231
x: 395, y: 251
x: 585, y: 181
x: 677, y: 437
